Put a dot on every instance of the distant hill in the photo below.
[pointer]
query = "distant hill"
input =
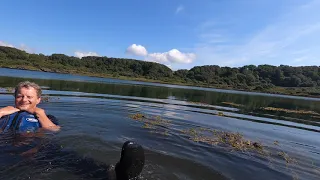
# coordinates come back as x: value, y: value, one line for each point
x: 250, y: 77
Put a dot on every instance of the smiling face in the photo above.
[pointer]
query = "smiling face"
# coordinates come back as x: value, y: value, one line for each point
x: 27, y: 99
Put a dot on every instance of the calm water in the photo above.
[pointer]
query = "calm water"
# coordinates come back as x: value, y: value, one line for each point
x: 94, y: 114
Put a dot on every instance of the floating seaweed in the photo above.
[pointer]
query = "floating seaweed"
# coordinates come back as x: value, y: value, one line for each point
x: 287, y: 158
x: 233, y: 104
x: 216, y: 137
x: 235, y: 141
x: 154, y: 123
x: 220, y: 113
x: 199, y: 103
x: 46, y: 98
x: 318, y: 117
x: 137, y: 116
x: 10, y: 89
x: 7, y: 89
x: 290, y: 110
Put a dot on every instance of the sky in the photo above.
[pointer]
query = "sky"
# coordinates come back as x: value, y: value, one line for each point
x: 180, y: 34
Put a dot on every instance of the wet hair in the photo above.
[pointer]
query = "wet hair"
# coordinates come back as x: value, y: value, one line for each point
x: 28, y: 84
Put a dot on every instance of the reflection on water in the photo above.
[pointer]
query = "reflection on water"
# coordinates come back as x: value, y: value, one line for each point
x: 250, y: 104
x: 96, y: 120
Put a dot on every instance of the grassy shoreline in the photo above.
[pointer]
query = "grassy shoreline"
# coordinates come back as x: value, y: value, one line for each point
x: 313, y: 92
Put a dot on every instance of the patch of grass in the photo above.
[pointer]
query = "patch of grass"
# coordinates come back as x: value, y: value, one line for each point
x: 199, y: 103
x: 233, y: 104
x: 318, y: 117
x: 220, y: 113
x: 137, y: 116
x: 154, y: 123
x: 148, y: 126
x: 316, y: 168
x: 287, y: 158
x: 290, y: 110
x: 8, y: 89
x: 46, y: 98
x: 295, y: 176
x: 235, y: 141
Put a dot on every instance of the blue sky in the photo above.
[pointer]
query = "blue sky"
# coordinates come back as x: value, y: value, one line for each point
x: 178, y: 33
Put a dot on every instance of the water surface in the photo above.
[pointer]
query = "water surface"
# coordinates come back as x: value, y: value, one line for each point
x: 95, y: 118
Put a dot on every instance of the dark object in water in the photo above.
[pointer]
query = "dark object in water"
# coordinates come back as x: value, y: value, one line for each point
x: 129, y: 166
x: 131, y: 162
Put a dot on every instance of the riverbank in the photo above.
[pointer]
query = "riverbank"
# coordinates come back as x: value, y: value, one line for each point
x: 293, y: 91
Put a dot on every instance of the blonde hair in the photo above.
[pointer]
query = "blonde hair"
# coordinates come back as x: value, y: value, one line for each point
x: 28, y: 84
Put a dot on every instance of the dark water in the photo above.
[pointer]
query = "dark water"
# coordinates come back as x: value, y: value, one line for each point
x: 94, y: 114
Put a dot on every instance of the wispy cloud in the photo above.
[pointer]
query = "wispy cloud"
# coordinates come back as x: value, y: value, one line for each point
x: 80, y: 54
x: 179, y: 9
x: 26, y: 48
x: 21, y: 47
x: 2, y: 43
x: 293, y: 39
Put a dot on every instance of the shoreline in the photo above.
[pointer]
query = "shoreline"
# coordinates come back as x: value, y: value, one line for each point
x: 276, y: 90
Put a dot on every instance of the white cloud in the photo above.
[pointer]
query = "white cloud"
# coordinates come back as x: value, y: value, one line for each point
x: 291, y: 39
x: 22, y: 47
x: 179, y: 9
x: 84, y: 54
x: 169, y: 66
x: 157, y: 57
x: 5, y: 44
x: 172, y: 56
x: 137, y: 50
x: 26, y: 48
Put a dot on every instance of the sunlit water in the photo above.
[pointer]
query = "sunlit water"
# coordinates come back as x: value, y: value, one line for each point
x: 95, y: 117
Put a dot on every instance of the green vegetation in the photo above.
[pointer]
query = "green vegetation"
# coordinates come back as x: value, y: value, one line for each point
x: 303, y: 81
x: 233, y: 104
x: 290, y: 110
x: 153, y: 124
x: 235, y: 141
x: 231, y: 141
x: 7, y: 89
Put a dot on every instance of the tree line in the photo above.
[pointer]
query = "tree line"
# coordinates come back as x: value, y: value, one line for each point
x: 249, y: 77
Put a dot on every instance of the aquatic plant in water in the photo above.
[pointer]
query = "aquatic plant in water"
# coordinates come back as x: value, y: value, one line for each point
x: 154, y: 123
x: 220, y: 113
x: 234, y: 141
x: 7, y: 89
x: 47, y: 98
x: 199, y: 103
x: 289, y: 110
x: 233, y: 104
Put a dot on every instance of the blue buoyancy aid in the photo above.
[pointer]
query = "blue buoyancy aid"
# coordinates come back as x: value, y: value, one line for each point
x: 20, y: 122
